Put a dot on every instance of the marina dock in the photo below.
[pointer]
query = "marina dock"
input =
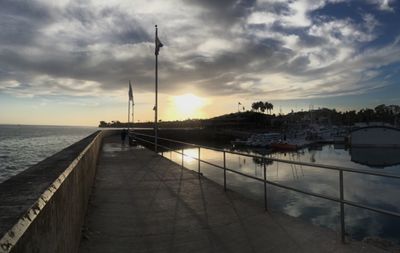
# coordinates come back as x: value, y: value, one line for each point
x: 142, y: 202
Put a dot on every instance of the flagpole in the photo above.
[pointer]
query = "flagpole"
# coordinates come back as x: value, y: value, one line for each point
x: 129, y: 112
x: 133, y: 116
x: 156, y: 98
x: 133, y: 103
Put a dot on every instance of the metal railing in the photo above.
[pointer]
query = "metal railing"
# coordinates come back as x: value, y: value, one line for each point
x: 340, y: 199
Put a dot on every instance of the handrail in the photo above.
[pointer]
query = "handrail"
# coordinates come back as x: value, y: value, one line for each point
x: 340, y: 200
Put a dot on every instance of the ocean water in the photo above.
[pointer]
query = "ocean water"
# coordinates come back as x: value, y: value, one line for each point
x: 374, y: 191
x: 22, y: 146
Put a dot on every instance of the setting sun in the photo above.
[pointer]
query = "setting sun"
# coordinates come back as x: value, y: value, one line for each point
x: 188, y: 105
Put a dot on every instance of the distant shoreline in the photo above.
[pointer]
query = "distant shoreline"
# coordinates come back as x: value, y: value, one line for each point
x: 38, y: 125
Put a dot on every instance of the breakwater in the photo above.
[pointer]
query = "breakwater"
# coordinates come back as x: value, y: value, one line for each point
x: 43, y: 208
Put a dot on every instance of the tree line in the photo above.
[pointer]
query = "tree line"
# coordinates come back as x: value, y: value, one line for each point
x: 262, y: 107
x: 381, y: 113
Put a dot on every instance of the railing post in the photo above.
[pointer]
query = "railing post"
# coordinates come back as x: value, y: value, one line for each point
x: 224, y: 171
x: 182, y: 156
x: 342, y: 224
x: 265, y: 186
x: 198, y: 162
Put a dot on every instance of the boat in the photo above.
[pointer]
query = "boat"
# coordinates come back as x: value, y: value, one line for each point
x: 320, y: 134
x: 375, y: 136
x: 291, y: 144
x: 258, y: 140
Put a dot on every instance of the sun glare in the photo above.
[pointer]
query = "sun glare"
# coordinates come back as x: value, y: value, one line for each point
x: 188, y: 105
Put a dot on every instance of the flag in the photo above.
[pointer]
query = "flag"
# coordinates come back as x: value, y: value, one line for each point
x: 158, y: 45
x: 130, y: 92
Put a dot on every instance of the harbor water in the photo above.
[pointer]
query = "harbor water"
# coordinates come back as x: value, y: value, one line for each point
x: 375, y: 191
x: 22, y: 146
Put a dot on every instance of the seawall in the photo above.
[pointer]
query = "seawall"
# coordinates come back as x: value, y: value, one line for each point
x: 42, y: 209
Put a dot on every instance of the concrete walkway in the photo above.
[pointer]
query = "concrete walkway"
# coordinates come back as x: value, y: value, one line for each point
x: 142, y: 202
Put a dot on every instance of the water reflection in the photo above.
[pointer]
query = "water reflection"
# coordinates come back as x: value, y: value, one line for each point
x: 365, y: 189
x: 191, y: 155
x: 376, y: 157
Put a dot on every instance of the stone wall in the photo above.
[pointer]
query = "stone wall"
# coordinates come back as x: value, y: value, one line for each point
x: 42, y: 209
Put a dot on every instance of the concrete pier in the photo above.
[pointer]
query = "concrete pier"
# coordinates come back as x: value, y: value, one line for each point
x: 142, y: 202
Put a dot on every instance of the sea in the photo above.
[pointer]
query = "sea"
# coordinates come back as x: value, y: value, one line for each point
x: 22, y: 146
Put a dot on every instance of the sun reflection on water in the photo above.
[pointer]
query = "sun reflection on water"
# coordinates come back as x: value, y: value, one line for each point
x: 191, y: 156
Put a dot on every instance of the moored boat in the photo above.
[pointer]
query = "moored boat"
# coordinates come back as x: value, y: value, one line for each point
x: 258, y: 140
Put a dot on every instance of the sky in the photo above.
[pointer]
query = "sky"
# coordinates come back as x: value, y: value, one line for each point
x: 69, y: 62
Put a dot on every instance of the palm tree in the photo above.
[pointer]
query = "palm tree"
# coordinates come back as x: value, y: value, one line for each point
x: 255, y: 106
x: 262, y: 107
x: 269, y: 106
x: 266, y: 104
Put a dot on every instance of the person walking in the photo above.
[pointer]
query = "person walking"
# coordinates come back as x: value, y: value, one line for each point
x: 123, y: 136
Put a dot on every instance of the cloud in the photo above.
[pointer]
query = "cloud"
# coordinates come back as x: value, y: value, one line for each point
x: 21, y: 20
x: 274, y: 48
x: 384, y: 5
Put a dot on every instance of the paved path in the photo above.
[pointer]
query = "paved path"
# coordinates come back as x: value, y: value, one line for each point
x: 142, y: 202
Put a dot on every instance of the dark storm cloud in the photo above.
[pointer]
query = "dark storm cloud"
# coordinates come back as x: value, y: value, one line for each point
x: 122, y: 29
x: 78, y: 63
x: 224, y: 12
x: 312, y: 41
x: 281, y: 8
x: 221, y: 75
x: 224, y: 7
x: 21, y: 20
x: 26, y: 52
